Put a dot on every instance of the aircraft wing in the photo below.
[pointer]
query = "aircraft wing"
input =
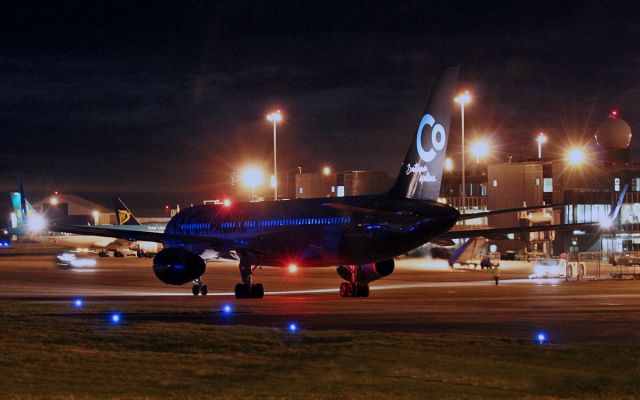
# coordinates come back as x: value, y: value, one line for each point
x: 388, y: 216
x: 500, y: 233
x: 127, y: 234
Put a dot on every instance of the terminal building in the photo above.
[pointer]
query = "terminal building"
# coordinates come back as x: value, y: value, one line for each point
x: 587, y: 187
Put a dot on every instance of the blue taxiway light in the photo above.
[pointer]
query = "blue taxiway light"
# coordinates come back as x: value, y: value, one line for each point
x: 78, y: 303
x: 115, y: 318
x: 227, y: 309
x: 293, y: 327
x: 541, y: 337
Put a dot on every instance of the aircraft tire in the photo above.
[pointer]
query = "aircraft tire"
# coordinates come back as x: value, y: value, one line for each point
x: 257, y: 291
x: 351, y: 290
x: 204, y: 290
x: 363, y: 291
x: 195, y: 290
x: 343, y: 289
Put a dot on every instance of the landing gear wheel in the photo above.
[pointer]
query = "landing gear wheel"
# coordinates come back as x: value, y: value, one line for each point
x: 195, y: 290
x: 241, y: 291
x: 204, y: 290
x: 351, y: 290
x: 363, y: 291
x: 257, y: 291
x: 343, y: 289
x: 244, y: 291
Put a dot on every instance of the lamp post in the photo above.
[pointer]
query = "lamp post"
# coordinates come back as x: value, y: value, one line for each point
x: 463, y: 99
x: 275, y: 117
x: 541, y: 139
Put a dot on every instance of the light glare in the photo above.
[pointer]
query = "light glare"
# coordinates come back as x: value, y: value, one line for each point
x: 252, y: 177
x: 463, y: 98
x: 115, y: 318
x: 541, y: 337
x: 275, y: 116
x: 575, y: 156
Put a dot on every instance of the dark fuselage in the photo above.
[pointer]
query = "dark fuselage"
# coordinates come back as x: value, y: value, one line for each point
x: 315, y: 232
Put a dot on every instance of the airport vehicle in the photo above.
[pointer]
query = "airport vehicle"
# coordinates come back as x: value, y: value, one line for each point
x: 76, y: 259
x: 627, y: 259
x: 360, y: 234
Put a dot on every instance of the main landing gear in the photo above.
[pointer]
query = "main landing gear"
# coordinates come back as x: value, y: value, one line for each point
x: 199, y: 288
x: 352, y: 288
x: 246, y: 289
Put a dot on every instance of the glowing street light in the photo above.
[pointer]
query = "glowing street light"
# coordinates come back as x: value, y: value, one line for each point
x: 53, y: 201
x: 463, y: 99
x: 541, y: 138
x: 448, y: 164
x: 96, y: 216
x: 275, y: 117
x: 575, y: 156
x: 326, y: 171
x: 479, y: 149
x: 252, y: 177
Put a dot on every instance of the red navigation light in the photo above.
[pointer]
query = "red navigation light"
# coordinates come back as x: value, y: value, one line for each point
x: 293, y: 268
x: 166, y: 207
x: 226, y: 202
x: 614, y: 114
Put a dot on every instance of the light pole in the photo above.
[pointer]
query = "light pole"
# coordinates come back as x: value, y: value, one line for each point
x: 462, y: 99
x: 541, y: 139
x: 275, y: 117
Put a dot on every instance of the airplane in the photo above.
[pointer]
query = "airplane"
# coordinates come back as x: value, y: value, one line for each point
x: 33, y: 225
x: 360, y: 235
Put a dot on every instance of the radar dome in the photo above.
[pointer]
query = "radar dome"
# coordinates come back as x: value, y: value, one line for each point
x: 613, y: 134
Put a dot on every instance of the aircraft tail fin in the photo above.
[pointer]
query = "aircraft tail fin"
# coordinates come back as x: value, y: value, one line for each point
x: 124, y: 216
x: 23, y: 210
x: 616, y: 209
x: 421, y: 172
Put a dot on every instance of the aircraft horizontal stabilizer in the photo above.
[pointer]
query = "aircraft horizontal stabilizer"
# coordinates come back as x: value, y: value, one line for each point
x: 506, y: 210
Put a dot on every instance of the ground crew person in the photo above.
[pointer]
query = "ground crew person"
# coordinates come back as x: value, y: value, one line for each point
x: 495, y: 272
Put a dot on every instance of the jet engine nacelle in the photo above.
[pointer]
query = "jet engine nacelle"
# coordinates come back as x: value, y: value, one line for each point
x: 368, y: 272
x: 176, y: 266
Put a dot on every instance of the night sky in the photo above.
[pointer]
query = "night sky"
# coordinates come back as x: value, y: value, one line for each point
x: 159, y: 102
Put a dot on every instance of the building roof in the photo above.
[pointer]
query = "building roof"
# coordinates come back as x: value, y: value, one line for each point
x: 74, y: 199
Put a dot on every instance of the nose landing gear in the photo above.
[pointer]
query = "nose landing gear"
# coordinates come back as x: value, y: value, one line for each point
x: 199, y: 288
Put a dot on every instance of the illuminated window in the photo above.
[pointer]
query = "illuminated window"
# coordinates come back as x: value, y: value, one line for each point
x: 494, y: 183
x: 616, y: 184
x: 636, y: 185
x: 537, y: 181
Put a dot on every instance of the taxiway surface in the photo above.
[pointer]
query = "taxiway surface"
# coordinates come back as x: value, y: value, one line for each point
x: 420, y: 296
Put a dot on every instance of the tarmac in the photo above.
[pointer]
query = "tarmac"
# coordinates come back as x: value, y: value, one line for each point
x: 421, y: 296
